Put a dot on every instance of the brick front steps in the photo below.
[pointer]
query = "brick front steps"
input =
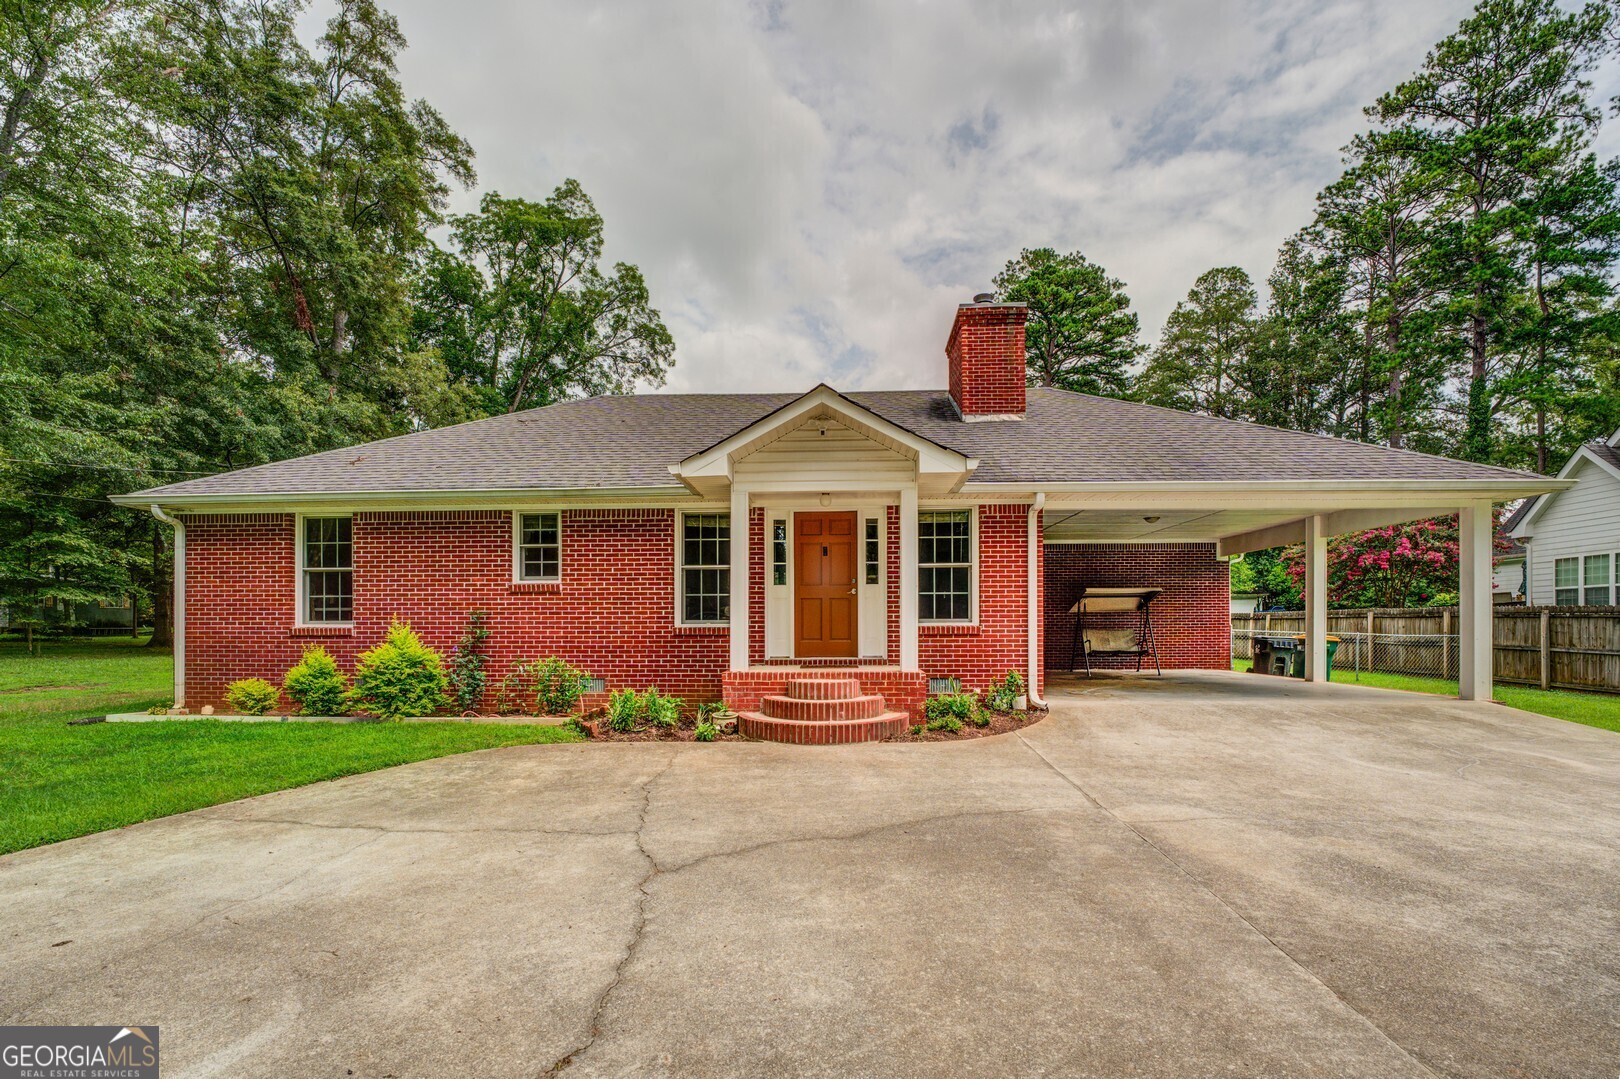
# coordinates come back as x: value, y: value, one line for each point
x: 824, y: 709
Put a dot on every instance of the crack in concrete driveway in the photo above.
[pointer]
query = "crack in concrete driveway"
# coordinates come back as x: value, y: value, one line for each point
x: 1194, y: 875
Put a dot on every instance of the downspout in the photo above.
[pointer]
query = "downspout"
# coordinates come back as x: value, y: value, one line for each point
x: 1035, y: 664
x: 178, y: 607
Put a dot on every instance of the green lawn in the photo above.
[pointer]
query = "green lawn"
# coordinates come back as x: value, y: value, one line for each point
x: 1592, y: 709
x: 58, y: 781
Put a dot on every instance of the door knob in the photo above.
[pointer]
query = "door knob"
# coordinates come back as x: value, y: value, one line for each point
x: 852, y: 591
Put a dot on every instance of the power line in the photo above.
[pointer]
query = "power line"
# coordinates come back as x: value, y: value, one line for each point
x: 101, y: 468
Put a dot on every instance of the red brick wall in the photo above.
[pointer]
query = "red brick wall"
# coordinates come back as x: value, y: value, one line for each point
x: 986, y: 353
x: 612, y: 614
x: 982, y: 653
x: 1192, y: 618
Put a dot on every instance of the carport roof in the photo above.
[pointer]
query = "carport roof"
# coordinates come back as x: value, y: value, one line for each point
x: 630, y: 442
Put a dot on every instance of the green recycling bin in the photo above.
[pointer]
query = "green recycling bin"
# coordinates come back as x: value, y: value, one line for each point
x: 1296, y: 658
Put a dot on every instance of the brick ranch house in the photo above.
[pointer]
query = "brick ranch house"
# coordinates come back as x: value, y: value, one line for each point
x: 724, y: 544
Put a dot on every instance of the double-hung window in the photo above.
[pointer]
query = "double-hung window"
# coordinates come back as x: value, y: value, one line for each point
x: 326, y: 555
x: 945, y: 566
x: 1596, y: 576
x: 539, y: 546
x: 705, y: 556
x: 1567, y: 582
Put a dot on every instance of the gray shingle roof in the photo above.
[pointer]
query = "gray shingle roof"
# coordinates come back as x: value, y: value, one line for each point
x: 632, y: 441
x: 1605, y: 452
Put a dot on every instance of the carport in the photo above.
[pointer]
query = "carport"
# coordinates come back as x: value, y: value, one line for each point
x: 1157, y: 527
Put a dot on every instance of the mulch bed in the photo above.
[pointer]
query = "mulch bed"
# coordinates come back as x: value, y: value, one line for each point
x: 1000, y: 723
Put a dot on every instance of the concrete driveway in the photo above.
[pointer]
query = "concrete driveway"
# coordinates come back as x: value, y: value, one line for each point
x: 1208, y: 873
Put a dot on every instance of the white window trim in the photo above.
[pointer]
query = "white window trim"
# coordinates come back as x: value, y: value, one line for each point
x: 517, y: 547
x: 301, y: 615
x: 973, y: 567
x: 680, y: 566
x: 1580, y: 577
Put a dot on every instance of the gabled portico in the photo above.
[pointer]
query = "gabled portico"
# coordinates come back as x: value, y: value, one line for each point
x: 824, y: 461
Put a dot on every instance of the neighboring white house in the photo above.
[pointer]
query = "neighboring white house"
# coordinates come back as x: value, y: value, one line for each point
x: 1248, y: 602
x: 1572, y: 537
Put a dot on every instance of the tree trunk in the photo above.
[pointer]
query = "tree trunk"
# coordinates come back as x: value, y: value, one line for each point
x: 162, y: 634
x: 134, y: 615
x: 1392, y: 341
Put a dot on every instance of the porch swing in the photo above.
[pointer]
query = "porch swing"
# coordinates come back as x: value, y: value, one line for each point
x: 1114, y: 640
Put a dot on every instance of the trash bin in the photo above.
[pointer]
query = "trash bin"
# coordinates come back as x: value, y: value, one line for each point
x: 1296, y: 658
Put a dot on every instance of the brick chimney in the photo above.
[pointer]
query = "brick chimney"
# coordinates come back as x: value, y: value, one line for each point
x: 986, y: 350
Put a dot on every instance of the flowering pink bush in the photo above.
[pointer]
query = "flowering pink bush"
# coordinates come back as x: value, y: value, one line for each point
x: 1396, y: 566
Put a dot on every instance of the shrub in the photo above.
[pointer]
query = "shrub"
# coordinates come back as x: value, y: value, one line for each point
x: 399, y: 677
x: 467, y: 664
x: 705, y: 732
x: 316, y: 685
x: 558, y: 685
x: 624, y: 706
x: 251, y: 697
x: 916, y: 730
x: 1004, y: 694
x: 663, y: 712
x: 948, y: 711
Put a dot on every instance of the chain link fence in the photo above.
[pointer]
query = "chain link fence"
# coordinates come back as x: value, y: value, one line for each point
x: 1429, y: 655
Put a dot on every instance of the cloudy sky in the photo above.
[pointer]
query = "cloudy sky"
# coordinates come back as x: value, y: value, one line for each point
x: 810, y: 187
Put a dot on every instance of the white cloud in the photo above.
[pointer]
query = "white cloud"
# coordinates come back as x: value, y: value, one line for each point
x: 810, y: 187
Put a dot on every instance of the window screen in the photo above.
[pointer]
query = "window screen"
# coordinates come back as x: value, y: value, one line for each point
x: 706, y: 567
x: 540, y: 546
x: 944, y: 566
x: 328, y: 569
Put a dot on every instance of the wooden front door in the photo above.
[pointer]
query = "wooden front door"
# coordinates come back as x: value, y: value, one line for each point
x: 825, y: 595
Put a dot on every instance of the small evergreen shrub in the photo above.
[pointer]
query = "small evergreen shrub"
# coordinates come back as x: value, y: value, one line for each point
x: 558, y: 685
x: 1004, y: 694
x: 399, y: 677
x: 946, y: 722
x: 316, y: 685
x: 467, y: 676
x: 705, y: 732
x: 251, y: 697
x: 624, y: 706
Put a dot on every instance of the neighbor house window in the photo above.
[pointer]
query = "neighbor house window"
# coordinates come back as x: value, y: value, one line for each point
x: 328, y: 569
x: 539, y: 546
x: 945, y: 566
x: 705, y: 567
x: 779, y: 547
x: 1567, y: 582
x: 1595, y: 578
x: 871, y: 550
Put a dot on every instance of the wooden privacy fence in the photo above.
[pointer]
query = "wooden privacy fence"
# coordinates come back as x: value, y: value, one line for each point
x: 1550, y: 647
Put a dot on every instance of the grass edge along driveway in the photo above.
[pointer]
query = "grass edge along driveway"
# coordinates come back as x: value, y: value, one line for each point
x: 1592, y: 709
x: 59, y: 781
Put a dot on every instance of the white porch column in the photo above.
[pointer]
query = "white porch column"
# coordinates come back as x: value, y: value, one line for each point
x: 1315, y: 601
x: 741, y: 544
x: 1474, y: 644
x: 908, y: 579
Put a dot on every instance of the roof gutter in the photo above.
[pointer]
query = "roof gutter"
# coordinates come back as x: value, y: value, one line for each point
x: 178, y: 607
x: 1033, y: 687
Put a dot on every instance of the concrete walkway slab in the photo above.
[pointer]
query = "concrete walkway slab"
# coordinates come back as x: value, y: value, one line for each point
x: 1199, y: 874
